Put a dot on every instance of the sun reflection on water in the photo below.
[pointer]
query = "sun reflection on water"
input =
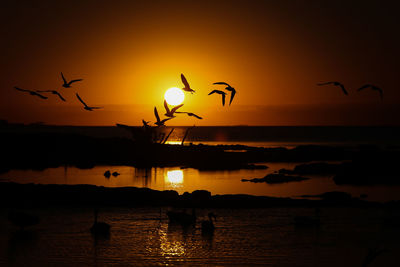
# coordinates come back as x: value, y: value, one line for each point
x: 175, y: 178
x: 170, y: 246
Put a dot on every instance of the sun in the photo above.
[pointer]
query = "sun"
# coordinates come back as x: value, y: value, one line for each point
x: 174, y: 96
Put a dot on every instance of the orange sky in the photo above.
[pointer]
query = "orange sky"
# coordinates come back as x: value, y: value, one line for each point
x: 272, y: 52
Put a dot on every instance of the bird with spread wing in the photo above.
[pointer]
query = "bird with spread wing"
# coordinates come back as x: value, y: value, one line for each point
x: 68, y: 84
x: 186, y: 84
x: 336, y: 84
x: 84, y: 104
x: 34, y: 93
x: 229, y: 88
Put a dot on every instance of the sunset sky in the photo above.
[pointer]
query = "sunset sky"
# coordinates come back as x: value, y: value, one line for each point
x: 130, y: 52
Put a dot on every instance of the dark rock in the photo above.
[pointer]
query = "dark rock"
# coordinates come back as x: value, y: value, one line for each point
x: 319, y: 168
x: 275, y: 178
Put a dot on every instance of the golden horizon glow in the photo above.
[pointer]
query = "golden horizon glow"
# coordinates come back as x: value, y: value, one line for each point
x: 174, y: 96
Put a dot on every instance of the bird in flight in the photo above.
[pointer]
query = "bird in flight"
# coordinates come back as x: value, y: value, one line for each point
x: 159, y: 122
x: 68, y: 84
x: 168, y: 112
x: 190, y: 114
x: 373, y: 87
x: 336, y: 84
x: 221, y: 93
x: 53, y: 92
x: 145, y: 123
x: 34, y: 93
x: 86, y: 106
x: 187, y: 86
x: 229, y: 88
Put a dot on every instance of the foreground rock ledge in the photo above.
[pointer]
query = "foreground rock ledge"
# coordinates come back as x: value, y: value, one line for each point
x: 32, y: 195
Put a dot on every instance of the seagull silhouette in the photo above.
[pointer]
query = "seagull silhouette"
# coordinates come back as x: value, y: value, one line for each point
x: 373, y: 87
x: 53, y: 92
x: 145, y: 123
x: 190, y: 114
x: 34, y: 93
x: 229, y: 88
x: 336, y: 84
x: 159, y: 122
x: 168, y: 112
x: 86, y: 106
x: 187, y: 86
x: 221, y: 93
x: 68, y: 84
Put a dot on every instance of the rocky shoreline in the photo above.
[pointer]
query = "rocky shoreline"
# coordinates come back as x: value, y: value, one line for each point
x: 33, y: 195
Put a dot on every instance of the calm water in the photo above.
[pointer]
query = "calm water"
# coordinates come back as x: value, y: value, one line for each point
x: 188, y: 180
x: 242, y: 238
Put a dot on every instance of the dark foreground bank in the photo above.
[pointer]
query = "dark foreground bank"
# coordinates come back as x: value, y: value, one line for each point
x: 14, y: 194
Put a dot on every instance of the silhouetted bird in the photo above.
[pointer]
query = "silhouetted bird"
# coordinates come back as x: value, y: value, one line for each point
x: 145, y: 123
x: 86, y: 106
x: 107, y: 174
x: 190, y: 114
x: 68, y: 84
x: 22, y: 219
x: 53, y: 92
x: 168, y: 112
x: 221, y: 93
x: 182, y: 218
x: 99, y: 228
x: 373, y: 87
x: 229, y: 88
x: 34, y: 93
x: 207, y: 227
x: 187, y: 86
x: 336, y: 84
x: 115, y: 174
x: 159, y: 122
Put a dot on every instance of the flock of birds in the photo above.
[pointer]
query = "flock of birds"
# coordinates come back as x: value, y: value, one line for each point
x: 66, y: 84
x: 169, y: 113
x: 373, y: 87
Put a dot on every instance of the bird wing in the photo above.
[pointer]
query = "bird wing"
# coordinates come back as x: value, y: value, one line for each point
x: 20, y: 89
x: 343, y: 89
x: 363, y: 87
x: 175, y: 108
x: 76, y: 80
x: 192, y: 114
x: 184, y: 81
x: 156, y: 114
x: 60, y: 96
x: 233, y: 92
x: 325, y: 83
x: 95, y: 107
x: 224, y: 83
x: 39, y: 95
x: 164, y: 120
x: 214, y: 91
x: 166, y: 107
x: 379, y: 90
x: 223, y: 99
x: 80, y: 99
x: 43, y: 91
x: 62, y: 75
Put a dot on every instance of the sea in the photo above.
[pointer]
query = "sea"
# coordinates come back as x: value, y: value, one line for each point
x: 222, y: 181
x: 347, y: 236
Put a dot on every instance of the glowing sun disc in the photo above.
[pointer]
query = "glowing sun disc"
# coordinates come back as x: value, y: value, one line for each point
x: 174, y: 96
